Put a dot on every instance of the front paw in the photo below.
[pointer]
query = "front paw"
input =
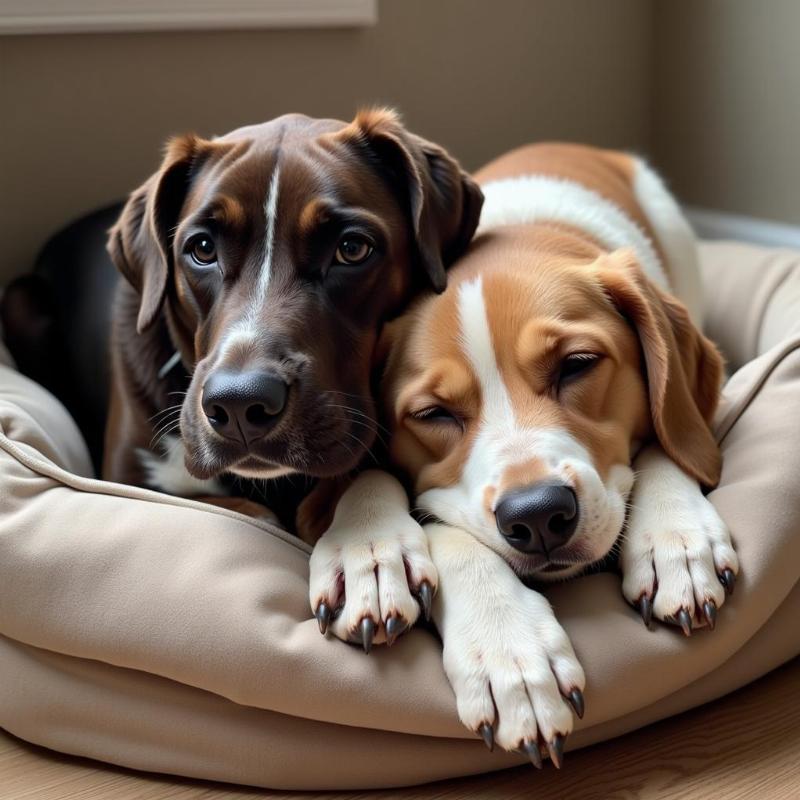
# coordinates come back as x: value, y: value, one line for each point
x: 369, y: 582
x: 678, y: 561
x: 514, y: 674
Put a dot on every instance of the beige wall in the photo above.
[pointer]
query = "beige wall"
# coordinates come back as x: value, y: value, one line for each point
x: 726, y: 121
x: 83, y: 117
x: 709, y: 88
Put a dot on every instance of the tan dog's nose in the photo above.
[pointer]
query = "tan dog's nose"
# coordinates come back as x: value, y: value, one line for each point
x: 243, y: 406
x: 539, y: 518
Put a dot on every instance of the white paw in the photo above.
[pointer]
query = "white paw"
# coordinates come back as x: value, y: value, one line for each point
x: 512, y: 668
x: 677, y: 559
x: 369, y: 580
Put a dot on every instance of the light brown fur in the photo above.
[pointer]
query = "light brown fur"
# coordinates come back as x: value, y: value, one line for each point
x: 551, y: 290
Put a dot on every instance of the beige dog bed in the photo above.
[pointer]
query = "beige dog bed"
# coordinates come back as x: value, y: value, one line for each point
x: 163, y: 634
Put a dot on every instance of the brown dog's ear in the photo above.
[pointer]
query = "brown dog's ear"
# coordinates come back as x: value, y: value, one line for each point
x: 684, y: 369
x: 384, y: 345
x: 444, y: 203
x: 389, y: 346
x: 139, y: 242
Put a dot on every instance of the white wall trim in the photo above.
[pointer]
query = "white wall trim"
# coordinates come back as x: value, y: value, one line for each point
x: 108, y: 16
x: 710, y: 224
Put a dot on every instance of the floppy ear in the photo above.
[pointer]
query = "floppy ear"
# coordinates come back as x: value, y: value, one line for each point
x: 443, y: 202
x: 139, y: 242
x: 684, y: 369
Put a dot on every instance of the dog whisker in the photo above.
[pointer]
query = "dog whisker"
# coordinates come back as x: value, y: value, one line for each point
x: 166, y: 433
x: 165, y: 423
x: 362, y: 445
x: 367, y: 422
x: 356, y: 412
x: 164, y: 411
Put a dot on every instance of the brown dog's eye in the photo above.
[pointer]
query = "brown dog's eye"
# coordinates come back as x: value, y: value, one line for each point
x: 353, y: 250
x: 575, y: 365
x: 202, y: 250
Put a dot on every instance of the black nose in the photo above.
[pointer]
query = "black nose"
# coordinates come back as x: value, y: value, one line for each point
x: 243, y: 405
x: 538, y: 518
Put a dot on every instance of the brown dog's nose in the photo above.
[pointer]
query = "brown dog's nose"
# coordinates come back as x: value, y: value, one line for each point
x: 243, y: 406
x: 538, y: 518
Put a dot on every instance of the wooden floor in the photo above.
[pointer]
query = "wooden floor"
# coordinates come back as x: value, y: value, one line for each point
x: 744, y: 746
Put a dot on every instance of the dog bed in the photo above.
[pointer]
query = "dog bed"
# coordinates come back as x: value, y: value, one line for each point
x: 162, y: 634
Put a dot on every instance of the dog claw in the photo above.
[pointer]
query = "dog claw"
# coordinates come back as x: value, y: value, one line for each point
x: 486, y: 732
x: 728, y: 580
x: 394, y: 627
x: 685, y: 621
x: 367, y: 634
x: 556, y: 750
x: 646, y: 610
x: 426, y: 599
x: 710, y: 613
x: 323, y: 615
x: 531, y: 749
x: 575, y: 699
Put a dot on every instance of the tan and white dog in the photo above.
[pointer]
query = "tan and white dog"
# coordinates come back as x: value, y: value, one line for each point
x: 522, y: 403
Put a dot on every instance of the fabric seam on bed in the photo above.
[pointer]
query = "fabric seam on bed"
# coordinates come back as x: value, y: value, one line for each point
x: 732, y: 415
x: 47, y: 469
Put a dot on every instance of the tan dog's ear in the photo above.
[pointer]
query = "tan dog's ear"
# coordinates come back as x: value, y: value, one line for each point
x: 139, y: 242
x: 444, y: 203
x: 684, y: 369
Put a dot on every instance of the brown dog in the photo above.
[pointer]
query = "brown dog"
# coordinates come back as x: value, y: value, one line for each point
x: 260, y: 268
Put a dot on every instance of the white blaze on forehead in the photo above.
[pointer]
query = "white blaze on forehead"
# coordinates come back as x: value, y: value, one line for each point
x: 497, y: 423
x: 245, y: 332
x: 476, y: 341
x: 502, y: 441
x: 270, y: 213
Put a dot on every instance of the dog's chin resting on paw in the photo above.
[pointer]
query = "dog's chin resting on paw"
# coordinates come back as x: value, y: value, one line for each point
x: 259, y: 269
x: 550, y: 408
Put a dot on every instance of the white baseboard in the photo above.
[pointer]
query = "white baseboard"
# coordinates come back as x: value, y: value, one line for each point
x: 109, y: 16
x: 710, y: 224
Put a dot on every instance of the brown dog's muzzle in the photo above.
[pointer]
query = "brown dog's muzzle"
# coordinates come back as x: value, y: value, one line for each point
x: 244, y: 406
x: 277, y: 404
